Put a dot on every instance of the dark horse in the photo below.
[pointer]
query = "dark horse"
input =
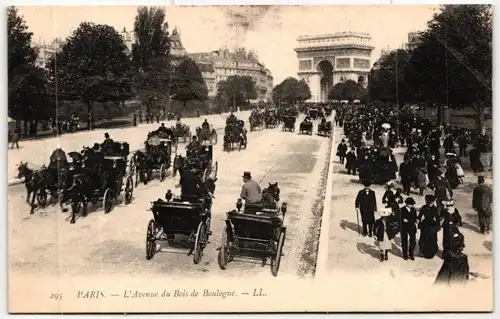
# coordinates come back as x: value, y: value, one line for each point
x: 36, y: 182
x: 271, y: 196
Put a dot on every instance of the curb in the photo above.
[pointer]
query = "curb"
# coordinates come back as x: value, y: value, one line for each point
x: 324, y: 236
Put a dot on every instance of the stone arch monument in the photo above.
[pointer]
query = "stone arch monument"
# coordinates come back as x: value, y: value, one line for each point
x: 327, y: 59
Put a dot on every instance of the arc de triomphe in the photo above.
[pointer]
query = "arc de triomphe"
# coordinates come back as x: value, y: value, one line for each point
x: 325, y: 60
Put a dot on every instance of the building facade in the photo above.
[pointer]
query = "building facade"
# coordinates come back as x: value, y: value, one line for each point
x: 47, y: 50
x: 327, y: 59
x: 414, y: 40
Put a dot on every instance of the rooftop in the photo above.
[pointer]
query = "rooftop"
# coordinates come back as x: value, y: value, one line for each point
x: 362, y: 35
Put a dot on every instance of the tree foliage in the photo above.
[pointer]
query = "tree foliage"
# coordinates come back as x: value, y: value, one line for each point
x: 291, y: 91
x: 349, y: 90
x: 236, y: 90
x: 27, y: 85
x: 188, y: 83
x: 151, y: 56
x: 92, y: 67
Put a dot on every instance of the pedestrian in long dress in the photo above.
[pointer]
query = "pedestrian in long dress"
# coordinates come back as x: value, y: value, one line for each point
x: 455, y: 268
x: 366, y: 206
x: 408, y: 228
x: 451, y: 221
x: 351, y: 164
x: 428, y: 219
x: 482, y: 197
x: 381, y: 230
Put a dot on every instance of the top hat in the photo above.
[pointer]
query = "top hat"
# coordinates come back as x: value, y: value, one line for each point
x: 247, y: 175
x: 430, y: 198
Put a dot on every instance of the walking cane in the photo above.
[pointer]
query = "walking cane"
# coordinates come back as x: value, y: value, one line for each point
x: 357, y: 219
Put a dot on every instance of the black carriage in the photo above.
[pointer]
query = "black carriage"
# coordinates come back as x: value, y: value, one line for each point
x: 289, y: 124
x: 157, y: 156
x: 306, y: 128
x: 235, y: 135
x: 255, y: 233
x: 183, y: 132
x: 325, y: 129
x: 182, y: 222
x: 255, y: 121
x: 314, y: 113
x: 271, y: 119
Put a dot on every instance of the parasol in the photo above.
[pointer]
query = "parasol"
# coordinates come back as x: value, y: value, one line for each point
x: 386, y: 126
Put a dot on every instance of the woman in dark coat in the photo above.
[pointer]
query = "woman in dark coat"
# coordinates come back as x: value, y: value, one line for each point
x: 455, y: 268
x: 429, y: 227
x: 341, y: 151
x: 451, y: 221
x: 432, y: 169
x: 351, y: 163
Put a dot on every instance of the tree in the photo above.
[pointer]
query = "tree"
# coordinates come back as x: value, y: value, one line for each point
x: 291, y: 91
x: 236, y: 90
x: 151, y: 56
x: 349, y: 90
x: 188, y: 83
x: 93, y: 67
x: 27, y: 95
x: 454, y: 60
x: 387, y: 80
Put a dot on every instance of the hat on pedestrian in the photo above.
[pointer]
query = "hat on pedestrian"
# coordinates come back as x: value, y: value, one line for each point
x: 247, y: 175
x: 367, y: 183
x: 343, y: 140
x: 430, y: 198
x: 385, y: 212
x: 410, y: 201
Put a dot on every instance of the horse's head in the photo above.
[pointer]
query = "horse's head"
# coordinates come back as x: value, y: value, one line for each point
x: 273, y: 191
x: 23, y: 170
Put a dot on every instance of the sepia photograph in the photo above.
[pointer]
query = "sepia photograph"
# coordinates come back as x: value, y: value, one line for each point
x: 279, y: 158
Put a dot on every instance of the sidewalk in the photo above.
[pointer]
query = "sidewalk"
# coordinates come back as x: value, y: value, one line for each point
x: 37, y: 152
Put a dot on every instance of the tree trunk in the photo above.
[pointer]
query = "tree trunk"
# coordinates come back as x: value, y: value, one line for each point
x: 480, y: 117
x: 90, y: 111
x: 439, y: 119
x: 25, y: 131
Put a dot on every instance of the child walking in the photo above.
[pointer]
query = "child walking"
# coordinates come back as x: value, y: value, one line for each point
x: 380, y: 231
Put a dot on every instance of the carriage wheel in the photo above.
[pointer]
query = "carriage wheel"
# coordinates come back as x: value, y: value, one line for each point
x: 107, y: 201
x: 151, y: 240
x: 163, y: 172
x: 223, y: 256
x: 200, y: 242
x: 132, y: 165
x: 129, y: 190
x: 275, y: 260
x: 41, y: 198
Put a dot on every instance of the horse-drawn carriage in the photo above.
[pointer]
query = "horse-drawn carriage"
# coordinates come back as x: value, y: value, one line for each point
x: 180, y: 221
x: 314, y: 113
x: 271, y: 119
x: 156, y: 156
x: 325, y: 129
x: 235, y: 134
x: 102, y: 178
x: 255, y: 232
x: 306, y: 127
x: 182, y: 131
x: 207, y: 134
x: 289, y: 123
x: 256, y: 121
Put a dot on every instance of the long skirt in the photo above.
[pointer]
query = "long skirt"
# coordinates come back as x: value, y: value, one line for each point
x: 384, y: 245
x: 428, y: 242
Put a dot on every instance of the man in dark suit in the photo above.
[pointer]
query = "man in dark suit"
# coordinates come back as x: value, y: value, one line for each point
x: 482, y: 198
x: 442, y: 188
x: 366, y: 206
x: 408, y: 228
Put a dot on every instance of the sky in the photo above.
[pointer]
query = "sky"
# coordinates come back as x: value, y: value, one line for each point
x: 271, y: 31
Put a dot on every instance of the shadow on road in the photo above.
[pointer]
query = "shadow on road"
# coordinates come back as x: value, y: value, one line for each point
x: 344, y: 224
x: 368, y: 250
x: 488, y: 245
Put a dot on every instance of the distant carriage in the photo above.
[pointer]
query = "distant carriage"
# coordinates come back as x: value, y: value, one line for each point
x: 314, y: 113
x: 325, y: 129
x: 207, y: 134
x: 255, y: 121
x: 157, y: 156
x: 289, y: 124
x: 306, y: 128
x: 235, y: 136
x: 271, y: 119
x: 183, y: 132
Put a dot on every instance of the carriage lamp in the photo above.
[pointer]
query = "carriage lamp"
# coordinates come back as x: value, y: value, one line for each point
x: 239, y: 204
x: 168, y: 195
x: 283, y: 207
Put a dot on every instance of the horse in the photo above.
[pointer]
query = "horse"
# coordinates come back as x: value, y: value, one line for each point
x: 142, y: 167
x: 271, y: 195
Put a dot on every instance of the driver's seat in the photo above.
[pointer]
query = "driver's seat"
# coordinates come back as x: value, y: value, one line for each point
x: 252, y: 209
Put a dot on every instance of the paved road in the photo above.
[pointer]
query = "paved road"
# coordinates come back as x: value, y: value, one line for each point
x: 46, y: 245
x: 37, y: 152
x: 350, y: 253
